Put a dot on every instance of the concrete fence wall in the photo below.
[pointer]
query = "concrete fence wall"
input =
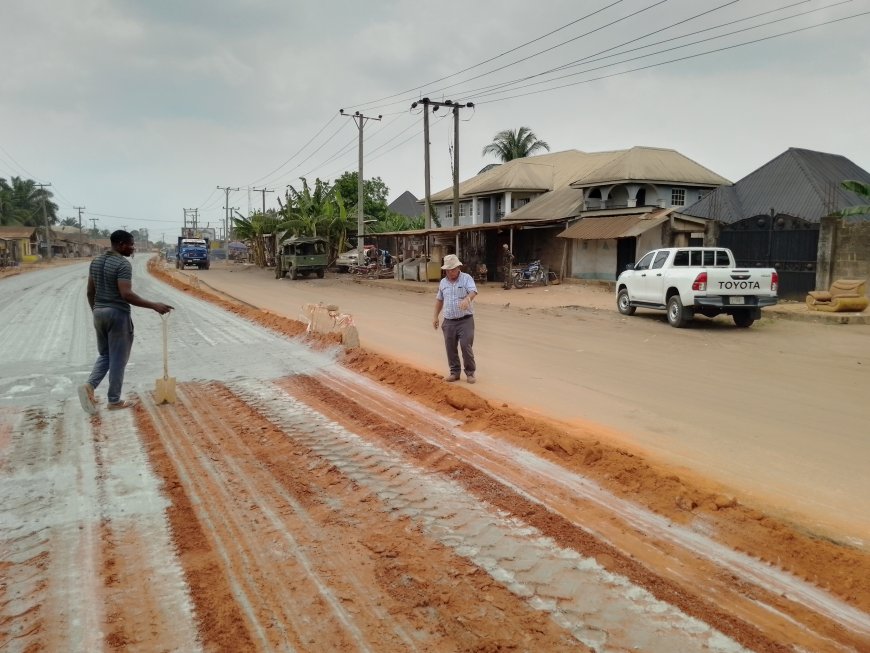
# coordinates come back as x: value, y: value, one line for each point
x: 844, y: 250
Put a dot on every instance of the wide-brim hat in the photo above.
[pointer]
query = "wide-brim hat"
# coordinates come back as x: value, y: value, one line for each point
x: 451, y: 261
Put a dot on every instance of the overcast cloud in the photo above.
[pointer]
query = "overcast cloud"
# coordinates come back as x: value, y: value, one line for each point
x: 140, y: 109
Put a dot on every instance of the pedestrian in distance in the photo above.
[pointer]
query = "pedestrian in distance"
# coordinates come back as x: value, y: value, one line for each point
x: 456, y: 294
x: 507, y: 259
x: 110, y: 295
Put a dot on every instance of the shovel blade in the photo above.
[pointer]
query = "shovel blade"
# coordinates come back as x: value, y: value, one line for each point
x: 164, y: 390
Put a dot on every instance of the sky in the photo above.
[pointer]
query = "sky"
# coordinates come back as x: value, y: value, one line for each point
x: 139, y: 109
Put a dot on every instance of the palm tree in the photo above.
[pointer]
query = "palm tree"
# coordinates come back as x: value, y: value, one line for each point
x: 859, y: 188
x: 509, y: 144
x: 21, y: 203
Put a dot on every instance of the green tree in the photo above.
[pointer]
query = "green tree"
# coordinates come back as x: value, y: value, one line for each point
x: 512, y: 144
x: 861, y: 189
x: 69, y: 222
x: 21, y: 203
x: 375, y: 194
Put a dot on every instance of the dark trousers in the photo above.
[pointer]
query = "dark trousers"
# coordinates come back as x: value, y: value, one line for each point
x: 459, y: 335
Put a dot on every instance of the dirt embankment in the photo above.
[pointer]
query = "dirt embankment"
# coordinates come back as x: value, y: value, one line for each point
x: 684, y: 499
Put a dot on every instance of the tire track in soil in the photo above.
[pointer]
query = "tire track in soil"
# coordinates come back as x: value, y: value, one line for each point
x: 602, y: 610
x: 302, y: 557
x: 82, y: 526
x: 738, y: 591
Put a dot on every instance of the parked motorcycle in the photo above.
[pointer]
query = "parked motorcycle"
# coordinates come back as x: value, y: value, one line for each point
x: 533, y: 273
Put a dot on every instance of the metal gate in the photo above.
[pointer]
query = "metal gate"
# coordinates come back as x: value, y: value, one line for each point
x: 783, y: 242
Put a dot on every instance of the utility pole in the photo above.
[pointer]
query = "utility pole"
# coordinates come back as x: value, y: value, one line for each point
x: 360, y: 121
x: 45, y: 218
x: 264, y: 191
x: 455, y: 106
x: 227, y: 190
x: 94, y: 227
x: 81, y: 243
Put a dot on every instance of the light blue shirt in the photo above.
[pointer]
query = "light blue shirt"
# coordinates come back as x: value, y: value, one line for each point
x: 451, y: 293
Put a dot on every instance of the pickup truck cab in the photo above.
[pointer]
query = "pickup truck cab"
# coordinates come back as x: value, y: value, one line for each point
x: 687, y: 280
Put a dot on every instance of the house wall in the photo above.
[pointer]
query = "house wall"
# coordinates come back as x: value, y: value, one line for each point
x: 593, y: 259
x: 596, y: 259
x: 844, y: 250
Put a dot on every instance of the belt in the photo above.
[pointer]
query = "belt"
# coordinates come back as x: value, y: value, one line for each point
x: 456, y: 319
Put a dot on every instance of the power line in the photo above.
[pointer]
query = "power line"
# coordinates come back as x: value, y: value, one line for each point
x: 494, y: 89
x: 686, y: 58
x: 498, y: 56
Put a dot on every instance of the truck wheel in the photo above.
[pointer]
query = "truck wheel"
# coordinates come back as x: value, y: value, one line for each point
x: 623, y: 303
x: 293, y: 273
x: 320, y: 273
x: 678, y: 315
x: 743, y: 319
x: 207, y: 266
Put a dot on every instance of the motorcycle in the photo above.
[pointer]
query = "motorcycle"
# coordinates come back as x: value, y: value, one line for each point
x: 532, y: 274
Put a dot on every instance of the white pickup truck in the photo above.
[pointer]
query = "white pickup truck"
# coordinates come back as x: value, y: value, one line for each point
x: 688, y: 280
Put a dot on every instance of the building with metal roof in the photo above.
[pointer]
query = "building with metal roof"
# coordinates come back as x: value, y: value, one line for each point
x: 772, y: 217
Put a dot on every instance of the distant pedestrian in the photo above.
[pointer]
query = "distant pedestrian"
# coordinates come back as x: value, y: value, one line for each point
x: 507, y: 259
x: 110, y: 294
x: 456, y: 293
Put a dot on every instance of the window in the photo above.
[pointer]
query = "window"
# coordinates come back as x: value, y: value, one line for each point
x: 678, y: 196
x: 644, y: 263
x: 661, y: 257
x: 464, y: 209
x: 449, y: 211
x: 681, y: 259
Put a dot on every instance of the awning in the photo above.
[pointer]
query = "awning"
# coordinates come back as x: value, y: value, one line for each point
x: 612, y: 226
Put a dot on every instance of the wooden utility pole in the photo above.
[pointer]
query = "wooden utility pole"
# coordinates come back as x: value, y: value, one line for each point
x: 47, y: 229
x: 456, y: 106
x: 360, y: 121
x: 264, y: 191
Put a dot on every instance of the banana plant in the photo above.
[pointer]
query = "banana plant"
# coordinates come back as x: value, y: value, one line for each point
x: 861, y: 189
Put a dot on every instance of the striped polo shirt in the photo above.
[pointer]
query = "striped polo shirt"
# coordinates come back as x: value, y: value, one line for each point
x: 106, y: 269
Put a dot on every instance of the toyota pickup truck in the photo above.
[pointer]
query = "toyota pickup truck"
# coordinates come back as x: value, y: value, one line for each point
x: 687, y: 280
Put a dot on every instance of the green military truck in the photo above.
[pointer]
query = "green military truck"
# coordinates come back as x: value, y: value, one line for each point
x: 300, y: 256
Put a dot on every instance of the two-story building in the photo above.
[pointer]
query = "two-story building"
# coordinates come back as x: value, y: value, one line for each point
x: 614, y: 203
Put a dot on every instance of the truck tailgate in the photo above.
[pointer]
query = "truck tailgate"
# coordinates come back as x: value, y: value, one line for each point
x: 740, y: 281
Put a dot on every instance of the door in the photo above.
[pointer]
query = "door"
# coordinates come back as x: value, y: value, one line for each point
x: 626, y: 250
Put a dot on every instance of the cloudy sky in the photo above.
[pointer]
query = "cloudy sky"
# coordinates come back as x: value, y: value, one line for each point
x: 139, y: 109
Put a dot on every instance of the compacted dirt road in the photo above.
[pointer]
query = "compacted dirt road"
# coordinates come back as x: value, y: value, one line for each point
x: 302, y: 498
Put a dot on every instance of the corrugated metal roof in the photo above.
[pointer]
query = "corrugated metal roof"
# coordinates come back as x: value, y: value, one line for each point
x: 801, y: 183
x: 488, y: 226
x: 650, y: 164
x: 543, y: 172
x: 8, y: 233
x: 615, y: 226
x: 563, y: 203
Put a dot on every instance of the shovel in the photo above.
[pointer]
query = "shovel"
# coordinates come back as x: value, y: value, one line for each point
x: 164, y: 389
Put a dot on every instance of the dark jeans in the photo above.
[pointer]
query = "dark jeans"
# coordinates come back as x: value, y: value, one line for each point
x: 114, y: 329
x: 459, y: 334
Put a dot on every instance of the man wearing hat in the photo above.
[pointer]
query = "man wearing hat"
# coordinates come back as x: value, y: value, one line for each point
x: 456, y: 292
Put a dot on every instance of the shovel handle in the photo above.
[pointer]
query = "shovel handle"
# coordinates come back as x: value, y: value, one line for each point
x: 165, y: 319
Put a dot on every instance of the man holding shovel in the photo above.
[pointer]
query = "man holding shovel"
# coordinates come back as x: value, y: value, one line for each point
x: 110, y: 295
